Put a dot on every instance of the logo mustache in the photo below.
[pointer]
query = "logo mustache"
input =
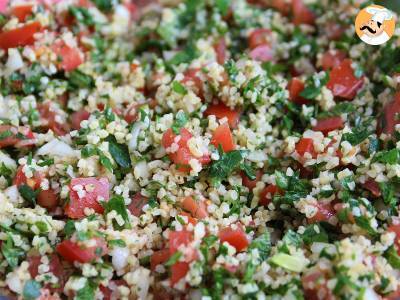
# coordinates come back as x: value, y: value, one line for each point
x: 368, y: 28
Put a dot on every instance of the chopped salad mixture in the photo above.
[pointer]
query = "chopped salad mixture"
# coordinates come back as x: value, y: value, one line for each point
x: 197, y: 149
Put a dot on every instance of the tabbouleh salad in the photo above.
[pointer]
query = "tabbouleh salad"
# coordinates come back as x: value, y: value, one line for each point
x: 197, y: 149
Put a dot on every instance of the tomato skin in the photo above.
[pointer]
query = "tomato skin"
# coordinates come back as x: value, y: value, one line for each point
x: 48, y: 199
x: 329, y: 124
x: 136, y: 206
x: 373, y: 187
x: 262, y: 53
x: 33, y: 182
x: 76, y: 206
x: 222, y: 136
x: 13, y: 140
x: 72, y: 58
x: 301, y: 13
x: 49, y: 119
x: 247, y: 182
x: 258, y: 37
x: 324, y: 213
x: 159, y: 257
x: 221, y: 111
x: 332, y: 59
x: 198, y: 209
x: 267, y: 194
x: 389, y: 118
x: 22, y: 11
x: 295, y: 87
x: 178, y: 238
x: 169, y: 138
x: 234, y: 237
x: 342, y: 82
x: 72, y: 252
x: 305, y: 145
x: 19, y: 37
x: 191, y: 78
x: 77, y: 117
x: 178, y: 271
x: 220, y: 50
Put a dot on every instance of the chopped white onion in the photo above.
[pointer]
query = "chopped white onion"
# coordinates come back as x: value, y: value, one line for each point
x: 14, y: 61
x: 8, y: 161
x: 120, y: 257
x: 136, y: 129
x: 12, y: 193
x: 257, y: 156
x: 57, y: 148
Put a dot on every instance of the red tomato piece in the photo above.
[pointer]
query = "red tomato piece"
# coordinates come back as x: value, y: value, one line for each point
x: 329, y: 124
x: 267, y: 194
x: 71, y: 58
x: 77, y: 117
x: 189, y: 217
x: 223, y: 136
x: 315, y: 286
x: 342, y: 81
x: 324, y: 212
x: 55, y: 267
x: 305, y: 145
x: 94, y: 191
x: 136, y: 206
x: 192, y: 78
x: 247, y: 182
x: 72, y: 251
x: 159, y: 257
x: 332, y: 59
x: 295, y: 87
x: 33, y: 182
x: 178, y: 271
x: 48, y: 199
x: 220, y: 50
x: 302, y: 14
x: 389, y: 118
x: 19, y: 37
x: 22, y: 11
x: 221, y: 111
x: 49, y: 119
x: 258, y: 37
x: 12, y: 136
x: 169, y: 138
x: 262, y: 53
x: 334, y: 31
x: 198, y: 209
x: 372, y: 186
x: 178, y: 238
x: 234, y: 237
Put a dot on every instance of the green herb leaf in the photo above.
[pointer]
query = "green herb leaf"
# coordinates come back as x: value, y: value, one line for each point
x: 177, y: 87
x: 31, y: 290
x: 28, y: 194
x: 82, y: 15
x: 119, y: 152
x: 78, y: 79
x: 315, y: 233
x: 225, y: 166
x: 231, y: 69
x: 5, y: 134
x: 173, y: 259
x: 103, y: 5
x: 358, y: 134
x: 282, y: 181
x: 69, y: 228
x: 117, y: 204
x: 314, y: 86
x: 223, y: 6
x: 263, y: 244
x: 364, y: 223
x: 11, y: 253
x: 180, y: 121
x: 393, y: 257
x: 390, y: 157
x: 117, y: 243
x: 248, y: 170
x: 87, y: 292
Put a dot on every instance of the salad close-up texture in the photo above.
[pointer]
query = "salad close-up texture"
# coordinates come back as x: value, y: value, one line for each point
x: 198, y: 149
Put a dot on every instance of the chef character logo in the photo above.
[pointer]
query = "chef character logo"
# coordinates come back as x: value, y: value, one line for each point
x: 375, y: 25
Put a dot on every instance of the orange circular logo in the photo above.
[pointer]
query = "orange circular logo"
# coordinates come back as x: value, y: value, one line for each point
x: 375, y: 25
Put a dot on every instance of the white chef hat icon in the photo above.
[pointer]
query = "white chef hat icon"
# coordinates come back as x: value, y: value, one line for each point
x: 379, y: 14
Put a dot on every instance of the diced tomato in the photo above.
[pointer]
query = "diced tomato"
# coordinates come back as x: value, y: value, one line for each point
x: 394, y: 295
x: 22, y: 11
x: 220, y: 50
x: 94, y: 191
x: 110, y: 291
x: 71, y: 58
x: 301, y: 13
x: 373, y: 187
x: 267, y: 194
x: 221, y: 111
x: 48, y: 199
x: 282, y: 6
x: 55, y: 267
x: 3, y: 6
x: 332, y: 59
x: 262, y: 53
x: 19, y: 37
x: 178, y: 271
x: 390, y: 116
x: 72, y: 251
x: 223, y: 137
x: 178, y: 238
x: 191, y: 78
x: 159, y: 257
x: 295, y: 87
x: 198, y: 209
x: 325, y: 211
x: 77, y: 117
x: 136, y: 206
x: 258, y: 37
x: 33, y: 182
x: 169, y: 138
x: 315, y: 286
x: 49, y: 119
x: 329, y: 124
x: 247, y: 182
x: 342, y: 81
x: 234, y: 237
x: 189, y: 217
x: 334, y: 30
x: 16, y: 136
x: 306, y: 145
